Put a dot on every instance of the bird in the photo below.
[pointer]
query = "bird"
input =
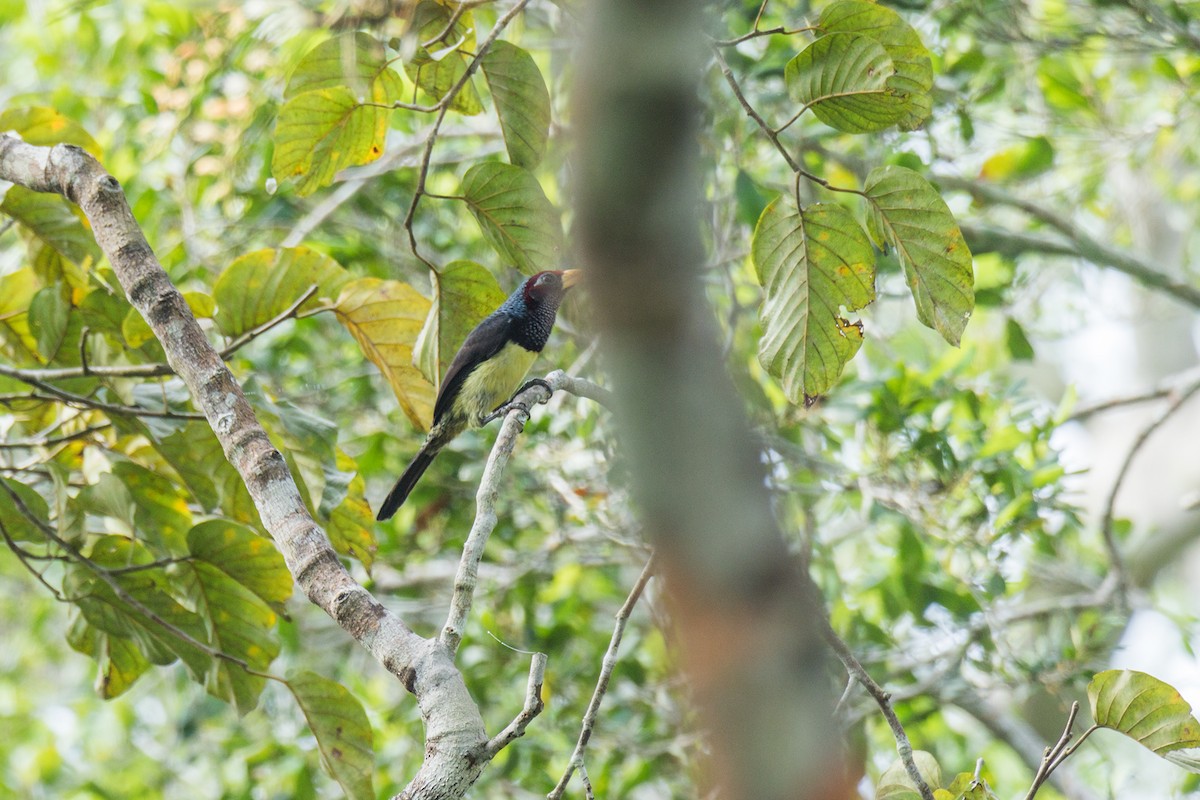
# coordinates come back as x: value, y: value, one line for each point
x: 487, y: 370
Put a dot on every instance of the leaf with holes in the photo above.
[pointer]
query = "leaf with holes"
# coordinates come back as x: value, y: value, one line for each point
x: 1150, y: 712
x: 385, y: 318
x: 522, y: 102
x: 515, y: 215
x: 465, y: 294
x: 342, y: 730
x: 812, y: 263
x: 914, y: 69
x: 846, y: 80
x: 261, y: 285
x: 909, y: 215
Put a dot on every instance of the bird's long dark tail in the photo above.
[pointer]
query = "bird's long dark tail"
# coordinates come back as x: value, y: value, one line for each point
x: 416, y: 468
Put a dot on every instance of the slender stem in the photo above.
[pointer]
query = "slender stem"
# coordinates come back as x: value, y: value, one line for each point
x: 1107, y: 526
x: 883, y: 700
x: 442, y: 107
x: 50, y: 441
x: 606, y: 670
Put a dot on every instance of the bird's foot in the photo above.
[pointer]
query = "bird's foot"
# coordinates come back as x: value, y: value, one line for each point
x: 514, y: 403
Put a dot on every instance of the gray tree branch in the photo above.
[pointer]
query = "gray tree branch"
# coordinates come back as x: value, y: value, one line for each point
x: 457, y: 745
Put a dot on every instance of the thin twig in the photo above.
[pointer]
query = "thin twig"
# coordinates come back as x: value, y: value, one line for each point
x: 772, y: 135
x: 1053, y: 756
x: 259, y: 330
x: 606, y: 670
x: 50, y: 441
x: 442, y: 107
x: 55, y: 394
x: 883, y: 700
x: 533, y: 706
x: 1107, y: 528
x: 106, y: 576
x: 34, y: 376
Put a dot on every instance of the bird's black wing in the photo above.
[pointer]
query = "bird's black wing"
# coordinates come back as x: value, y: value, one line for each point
x: 487, y: 339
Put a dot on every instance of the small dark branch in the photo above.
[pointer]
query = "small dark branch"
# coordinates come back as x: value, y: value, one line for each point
x: 1169, y: 387
x: 773, y: 135
x: 442, y: 107
x: 5, y: 227
x: 533, y: 707
x: 754, y: 115
x: 754, y: 34
x: 1084, y: 246
x: 1060, y: 752
x: 52, y: 393
x: 1107, y: 527
x: 50, y: 441
x: 454, y: 18
x: 252, y: 334
x: 83, y: 356
x: 106, y: 576
x: 606, y: 670
x: 25, y: 557
x: 884, y: 701
x: 1119, y: 402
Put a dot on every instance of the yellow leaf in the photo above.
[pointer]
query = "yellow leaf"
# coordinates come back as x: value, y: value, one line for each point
x: 385, y: 318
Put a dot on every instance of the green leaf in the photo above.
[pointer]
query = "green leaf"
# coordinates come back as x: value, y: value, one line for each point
x: 1150, y: 712
x: 351, y: 526
x: 342, y: 730
x: 352, y: 60
x: 53, y: 221
x: 49, y: 316
x: 46, y: 126
x: 436, y: 70
x: 243, y: 555
x: 515, y: 215
x: 321, y: 132
x: 894, y: 783
x: 119, y: 661
x: 144, y: 622
x: 1024, y: 160
x: 240, y: 624
x: 811, y: 264
x: 160, y: 511
x: 196, y: 454
x: 16, y: 523
x: 912, y: 218
x: 910, y: 58
x: 261, y: 285
x: 522, y: 102
x: 466, y: 293
x: 109, y: 497
x: 385, y: 318
x: 1016, y: 341
x: 845, y: 79
x: 17, y: 341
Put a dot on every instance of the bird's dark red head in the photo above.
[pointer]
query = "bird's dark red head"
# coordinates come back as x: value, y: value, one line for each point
x: 551, y: 285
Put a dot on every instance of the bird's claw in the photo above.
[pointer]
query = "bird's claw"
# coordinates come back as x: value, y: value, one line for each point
x: 514, y: 403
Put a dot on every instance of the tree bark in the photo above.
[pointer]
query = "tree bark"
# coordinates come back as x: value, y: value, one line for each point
x: 743, y: 611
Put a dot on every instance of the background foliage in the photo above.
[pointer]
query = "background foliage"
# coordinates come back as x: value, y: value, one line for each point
x: 957, y: 506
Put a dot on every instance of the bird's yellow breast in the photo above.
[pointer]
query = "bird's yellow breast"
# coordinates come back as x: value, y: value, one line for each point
x: 494, y: 381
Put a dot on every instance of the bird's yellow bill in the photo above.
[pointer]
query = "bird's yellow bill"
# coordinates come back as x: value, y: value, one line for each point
x: 570, y: 277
